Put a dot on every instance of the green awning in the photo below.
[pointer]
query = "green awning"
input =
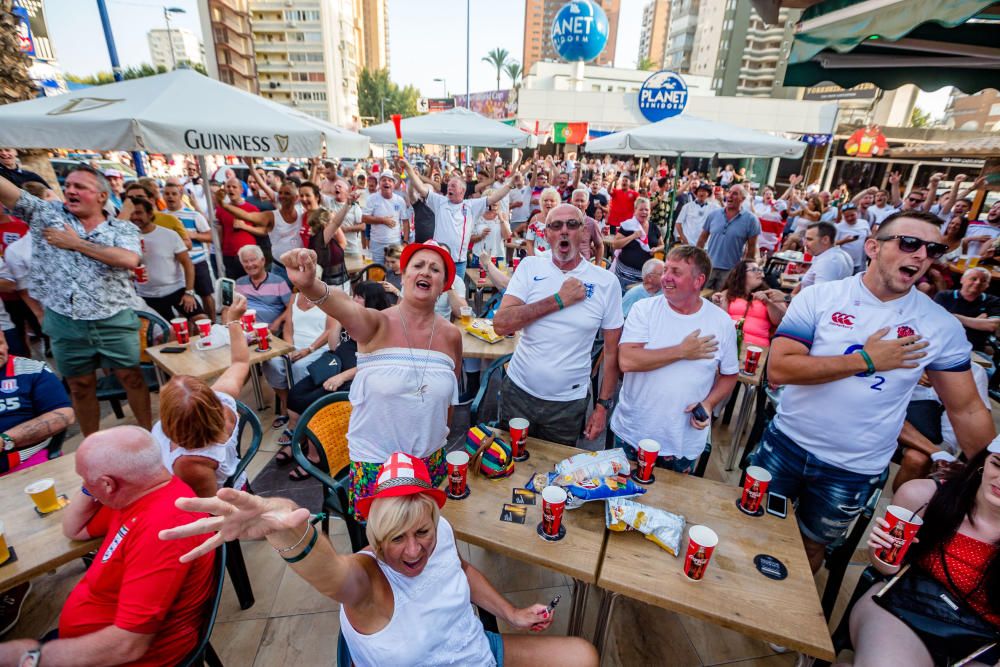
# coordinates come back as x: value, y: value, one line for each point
x: 890, y: 43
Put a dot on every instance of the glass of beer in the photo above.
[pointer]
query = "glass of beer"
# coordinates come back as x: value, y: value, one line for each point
x: 466, y: 316
x: 43, y: 493
x: 4, y: 551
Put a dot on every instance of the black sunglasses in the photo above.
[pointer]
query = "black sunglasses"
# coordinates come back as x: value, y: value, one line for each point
x: 913, y: 244
x: 556, y: 225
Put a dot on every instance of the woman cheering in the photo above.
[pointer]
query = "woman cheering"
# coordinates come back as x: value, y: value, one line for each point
x: 635, y: 243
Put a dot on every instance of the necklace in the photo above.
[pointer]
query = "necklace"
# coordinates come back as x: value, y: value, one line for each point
x: 421, y: 387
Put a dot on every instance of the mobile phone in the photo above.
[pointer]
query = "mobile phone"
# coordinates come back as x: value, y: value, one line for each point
x: 173, y: 350
x: 226, y: 289
x: 777, y: 505
x: 699, y: 413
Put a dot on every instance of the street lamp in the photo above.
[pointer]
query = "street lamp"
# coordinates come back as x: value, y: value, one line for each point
x: 167, y: 11
x: 382, y: 105
x: 444, y: 85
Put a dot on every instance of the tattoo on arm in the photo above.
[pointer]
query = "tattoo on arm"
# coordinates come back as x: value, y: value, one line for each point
x: 44, y: 426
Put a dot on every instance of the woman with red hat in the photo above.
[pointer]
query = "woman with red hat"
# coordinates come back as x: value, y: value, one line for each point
x: 406, y: 599
x: 408, y: 363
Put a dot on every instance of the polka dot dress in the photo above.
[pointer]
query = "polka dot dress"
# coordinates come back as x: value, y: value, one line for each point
x: 966, y: 558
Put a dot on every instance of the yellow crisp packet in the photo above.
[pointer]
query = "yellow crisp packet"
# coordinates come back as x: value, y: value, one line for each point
x: 483, y: 330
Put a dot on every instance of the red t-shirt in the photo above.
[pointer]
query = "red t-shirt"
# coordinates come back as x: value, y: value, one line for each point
x: 11, y: 229
x: 137, y: 582
x: 234, y: 239
x: 622, y: 206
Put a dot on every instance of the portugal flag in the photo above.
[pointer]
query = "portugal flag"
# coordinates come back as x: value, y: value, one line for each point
x: 569, y: 133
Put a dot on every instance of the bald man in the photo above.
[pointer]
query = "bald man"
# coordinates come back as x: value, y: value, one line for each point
x: 137, y: 602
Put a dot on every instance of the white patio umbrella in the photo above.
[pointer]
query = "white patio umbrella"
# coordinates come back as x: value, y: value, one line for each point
x: 695, y: 137
x: 178, y: 112
x: 455, y: 127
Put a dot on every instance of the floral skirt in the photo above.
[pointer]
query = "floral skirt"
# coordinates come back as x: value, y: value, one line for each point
x: 364, y: 476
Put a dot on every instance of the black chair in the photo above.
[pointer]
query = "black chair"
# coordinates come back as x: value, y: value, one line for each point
x: 376, y: 272
x: 153, y: 330
x: 493, y: 302
x: 55, y: 444
x: 492, y: 377
x: 235, y: 562
x: 203, y: 652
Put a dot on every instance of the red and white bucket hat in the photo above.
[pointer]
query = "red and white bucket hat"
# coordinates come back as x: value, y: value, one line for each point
x: 401, y: 475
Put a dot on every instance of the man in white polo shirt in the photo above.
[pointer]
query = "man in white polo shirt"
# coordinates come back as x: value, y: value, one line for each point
x: 680, y: 349
x: 829, y: 262
x: 385, y: 211
x: 850, y: 354
x: 454, y: 216
x: 561, y: 302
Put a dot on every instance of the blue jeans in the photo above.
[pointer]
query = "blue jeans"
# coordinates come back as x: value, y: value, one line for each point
x: 460, y: 269
x: 829, y: 498
x: 675, y: 463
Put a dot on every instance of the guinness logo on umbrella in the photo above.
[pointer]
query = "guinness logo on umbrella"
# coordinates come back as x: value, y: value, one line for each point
x: 82, y: 104
x: 282, y: 140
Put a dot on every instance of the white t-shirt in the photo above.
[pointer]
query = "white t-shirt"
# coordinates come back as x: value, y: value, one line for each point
x: 978, y: 228
x: 652, y: 402
x: 286, y: 236
x: 453, y: 223
x: 519, y: 215
x: 856, y: 249
x: 492, y: 245
x: 834, y: 264
x: 17, y: 257
x: 552, y: 360
x: 394, y: 208
x: 853, y: 423
x: 536, y: 234
x: 353, y: 217
x: 692, y: 218
x: 160, y: 249
x: 880, y: 213
x: 443, y: 305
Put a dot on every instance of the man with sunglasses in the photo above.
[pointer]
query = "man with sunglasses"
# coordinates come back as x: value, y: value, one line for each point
x: 850, y: 354
x: 561, y: 302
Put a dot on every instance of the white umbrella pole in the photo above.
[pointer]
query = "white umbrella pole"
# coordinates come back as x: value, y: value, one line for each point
x: 210, y: 215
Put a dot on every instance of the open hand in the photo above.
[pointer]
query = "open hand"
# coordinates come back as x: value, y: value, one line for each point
x: 64, y: 237
x: 695, y: 346
x: 890, y: 354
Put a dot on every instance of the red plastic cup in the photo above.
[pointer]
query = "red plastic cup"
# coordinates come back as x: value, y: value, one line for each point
x: 903, y: 526
x: 204, y: 328
x: 806, y: 257
x: 482, y: 274
x: 180, y: 327
x: 141, y: 274
x: 515, y: 260
x: 248, y: 318
x: 645, y: 456
x: 518, y: 435
x: 702, y: 541
x: 458, y: 472
x: 553, y: 505
x: 754, y: 488
x: 263, y: 342
x: 752, y: 359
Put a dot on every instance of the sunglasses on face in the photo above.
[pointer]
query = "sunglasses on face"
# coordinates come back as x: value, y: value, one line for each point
x: 913, y: 244
x: 915, y: 200
x: 556, y: 225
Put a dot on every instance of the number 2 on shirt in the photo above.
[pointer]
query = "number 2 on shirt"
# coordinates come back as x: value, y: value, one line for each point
x: 879, y: 380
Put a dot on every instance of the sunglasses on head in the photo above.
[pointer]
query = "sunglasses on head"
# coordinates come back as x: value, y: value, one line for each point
x: 913, y: 244
x: 556, y: 225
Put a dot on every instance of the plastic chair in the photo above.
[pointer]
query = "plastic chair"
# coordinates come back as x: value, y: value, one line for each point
x: 55, y: 444
x: 497, y: 369
x: 235, y: 562
x: 153, y: 330
x: 203, y: 651
x: 494, y: 302
x: 324, y: 424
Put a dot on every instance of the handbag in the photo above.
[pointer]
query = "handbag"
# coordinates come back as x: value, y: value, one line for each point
x: 947, y: 625
x: 489, y: 455
x: 324, y: 367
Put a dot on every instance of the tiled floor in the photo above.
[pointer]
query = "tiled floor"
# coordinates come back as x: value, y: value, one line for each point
x: 291, y: 623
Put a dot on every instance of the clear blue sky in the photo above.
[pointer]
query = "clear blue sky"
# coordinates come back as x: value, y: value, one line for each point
x: 426, y: 39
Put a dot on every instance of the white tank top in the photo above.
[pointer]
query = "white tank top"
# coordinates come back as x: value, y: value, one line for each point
x: 388, y: 414
x: 285, y: 236
x: 432, y: 620
x: 307, y: 325
x: 223, y: 453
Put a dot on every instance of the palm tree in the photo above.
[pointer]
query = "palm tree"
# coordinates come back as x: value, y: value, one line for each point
x: 513, y: 70
x: 645, y: 63
x: 498, y: 58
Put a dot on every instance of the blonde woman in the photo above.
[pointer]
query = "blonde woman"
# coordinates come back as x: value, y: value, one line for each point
x: 534, y: 237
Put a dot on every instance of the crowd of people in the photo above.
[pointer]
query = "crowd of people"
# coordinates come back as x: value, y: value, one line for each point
x: 663, y: 272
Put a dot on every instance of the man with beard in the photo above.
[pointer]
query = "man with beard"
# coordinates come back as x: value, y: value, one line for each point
x: 850, y: 353
x: 561, y: 302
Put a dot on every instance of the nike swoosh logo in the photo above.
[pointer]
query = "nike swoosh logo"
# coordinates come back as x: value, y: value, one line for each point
x: 537, y: 278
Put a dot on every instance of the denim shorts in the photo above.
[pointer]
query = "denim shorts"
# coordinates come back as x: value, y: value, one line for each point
x: 496, y: 646
x: 675, y: 463
x: 828, y: 498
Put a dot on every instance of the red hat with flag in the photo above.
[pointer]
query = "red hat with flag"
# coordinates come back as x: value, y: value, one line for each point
x: 401, y: 475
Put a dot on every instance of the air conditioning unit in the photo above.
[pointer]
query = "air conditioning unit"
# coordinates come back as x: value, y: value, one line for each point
x: 292, y: 24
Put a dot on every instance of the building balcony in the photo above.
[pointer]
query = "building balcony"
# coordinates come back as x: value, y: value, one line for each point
x: 754, y: 91
x: 239, y: 69
x: 273, y: 66
x: 761, y: 53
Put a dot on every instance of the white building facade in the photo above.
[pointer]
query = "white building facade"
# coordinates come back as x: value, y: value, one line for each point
x: 184, y: 44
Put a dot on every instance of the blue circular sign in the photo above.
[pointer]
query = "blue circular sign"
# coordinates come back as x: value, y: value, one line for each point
x: 580, y: 31
x: 663, y: 95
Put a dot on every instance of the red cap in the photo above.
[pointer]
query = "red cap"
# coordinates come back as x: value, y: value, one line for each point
x: 449, y: 263
x: 401, y: 475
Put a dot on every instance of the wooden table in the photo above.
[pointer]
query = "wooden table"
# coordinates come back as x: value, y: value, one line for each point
x: 208, y: 364
x: 477, y: 521
x: 477, y: 348
x: 38, y: 541
x: 733, y: 593
x: 751, y: 384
